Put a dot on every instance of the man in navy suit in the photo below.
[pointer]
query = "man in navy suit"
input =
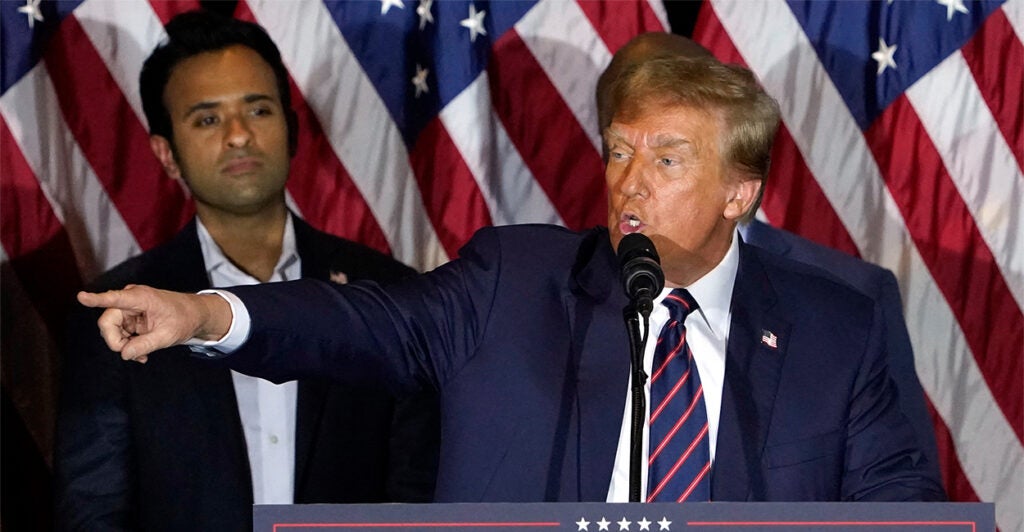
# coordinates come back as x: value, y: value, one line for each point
x: 184, y: 445
x: 523, y: 337
x: 869, y: 279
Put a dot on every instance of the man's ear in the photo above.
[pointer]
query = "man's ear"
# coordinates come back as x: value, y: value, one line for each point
x: 743, y: 194
x: 162, y: 149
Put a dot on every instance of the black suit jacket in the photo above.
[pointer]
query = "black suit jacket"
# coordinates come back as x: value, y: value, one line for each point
x: 879, y: 284
x: 160, y: 446
x: 523, y: 336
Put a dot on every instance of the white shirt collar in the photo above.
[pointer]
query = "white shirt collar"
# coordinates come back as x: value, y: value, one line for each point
x: 218, y: 266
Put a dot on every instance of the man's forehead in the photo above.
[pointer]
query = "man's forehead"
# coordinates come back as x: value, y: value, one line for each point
x: 656, y: 138
x: 661, y: 119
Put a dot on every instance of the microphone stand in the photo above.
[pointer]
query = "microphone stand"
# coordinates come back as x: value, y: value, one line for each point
x: 639, y: 407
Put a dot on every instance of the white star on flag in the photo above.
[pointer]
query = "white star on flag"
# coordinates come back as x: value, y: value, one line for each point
x: 583, y: 524
x: 884, y: 56
x: 624, y: 525
x: 386, y: 5
x: 951, y: 6
x: 420, y: 80
x: 423, y: 10
x: 474, y: 22
x: 644, y: 523
x: 664, y: 524
x: 32, y: 12
x: 603, y: 524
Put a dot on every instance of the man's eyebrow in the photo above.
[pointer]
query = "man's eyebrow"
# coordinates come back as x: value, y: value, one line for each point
x: 669, y: 141
x: 212, y: 104
x: 201, y: 106
x: 610, y: 135
x: 256, y: 97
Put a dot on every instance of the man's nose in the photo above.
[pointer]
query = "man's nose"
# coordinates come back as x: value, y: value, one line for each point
x: 238, y: 133
x: 633, y: 181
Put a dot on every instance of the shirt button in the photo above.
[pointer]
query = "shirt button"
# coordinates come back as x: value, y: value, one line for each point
x: 273, y: 439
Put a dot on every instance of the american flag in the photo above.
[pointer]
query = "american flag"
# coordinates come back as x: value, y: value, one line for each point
x: 422, y: 121
x: 769, y: 339
x: 903, y: 143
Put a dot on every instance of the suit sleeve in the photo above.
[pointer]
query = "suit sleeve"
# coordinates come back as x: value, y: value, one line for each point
x: 901, y: 367
x: 92, y: 455
x: 410, y: 336
x: 884, y: 460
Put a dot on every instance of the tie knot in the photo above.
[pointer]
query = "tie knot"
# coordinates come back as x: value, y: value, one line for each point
x: 680, y: 303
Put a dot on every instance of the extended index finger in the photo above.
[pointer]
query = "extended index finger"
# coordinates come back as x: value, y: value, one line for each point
x: 121, y: 299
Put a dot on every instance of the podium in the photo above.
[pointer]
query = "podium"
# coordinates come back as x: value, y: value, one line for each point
x: 628, y: 517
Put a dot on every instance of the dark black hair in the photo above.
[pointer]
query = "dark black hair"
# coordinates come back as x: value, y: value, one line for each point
x: 196, y: 32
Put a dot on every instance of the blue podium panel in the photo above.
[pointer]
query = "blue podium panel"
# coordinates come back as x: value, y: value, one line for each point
x: 605, y: 517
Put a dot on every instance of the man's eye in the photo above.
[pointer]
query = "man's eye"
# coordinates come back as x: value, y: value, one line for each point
x: 261, y: 111
x: 207, y: 120
x: 668, y: 161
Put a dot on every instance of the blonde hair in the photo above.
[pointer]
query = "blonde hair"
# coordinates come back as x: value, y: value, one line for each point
x: 750, y: 116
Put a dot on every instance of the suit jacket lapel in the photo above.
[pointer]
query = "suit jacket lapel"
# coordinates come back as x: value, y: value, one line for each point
x: 178, y: 265
x: 752, y: 371
x: 599, y: 340
x: 315, y: 252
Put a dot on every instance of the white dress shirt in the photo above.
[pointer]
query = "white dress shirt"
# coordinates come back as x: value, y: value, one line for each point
x: 267, y: 409
x: 707, y: 332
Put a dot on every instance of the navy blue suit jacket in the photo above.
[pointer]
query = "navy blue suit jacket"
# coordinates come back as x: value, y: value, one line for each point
x: 879, y: 284
x: 523, y: 337
x: 160, y: 446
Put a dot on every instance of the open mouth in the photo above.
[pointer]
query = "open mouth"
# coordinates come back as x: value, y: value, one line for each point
x: 630, y: 223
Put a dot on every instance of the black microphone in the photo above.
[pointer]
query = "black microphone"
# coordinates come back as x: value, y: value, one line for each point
x: 641, y: 271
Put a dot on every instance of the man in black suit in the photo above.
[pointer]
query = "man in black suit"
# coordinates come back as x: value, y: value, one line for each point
x: 184, y: 445
x: 869, y: 279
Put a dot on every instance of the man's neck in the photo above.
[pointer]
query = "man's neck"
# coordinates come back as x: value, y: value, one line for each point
x: 696, y: 265
x: 250, y: 242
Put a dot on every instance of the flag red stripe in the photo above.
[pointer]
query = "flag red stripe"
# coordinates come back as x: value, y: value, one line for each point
x: 166, y: 9
x: 618, y: 22
x: 794, y: 200
x: 450, y: 194
x: 529, y: 106
x: 954, y: 252
x: 38, y: 246
x: 958, y: 486
x: 995, y: 56
x: 28, y: 221
x: 709, y: 32
x: 323, y: 189
x: 151, y: 204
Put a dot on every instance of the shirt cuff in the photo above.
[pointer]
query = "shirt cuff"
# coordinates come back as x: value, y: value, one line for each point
x: 237, y: 333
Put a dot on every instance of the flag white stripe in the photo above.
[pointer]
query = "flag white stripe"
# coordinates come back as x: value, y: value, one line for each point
x: 341, y: 95
x: 124, y: 34
x: 1014, y: 10
x: 100, y: 238
x: 978, y: 159
x: 659, y: 11
x: 510, y: 191
x: 572, y: 54
x: 853, y: 184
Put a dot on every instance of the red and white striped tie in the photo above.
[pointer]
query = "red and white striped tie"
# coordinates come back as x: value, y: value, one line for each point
x: 679, y: 458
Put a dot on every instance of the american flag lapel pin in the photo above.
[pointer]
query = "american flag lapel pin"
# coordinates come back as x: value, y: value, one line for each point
x: 769, y: 339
